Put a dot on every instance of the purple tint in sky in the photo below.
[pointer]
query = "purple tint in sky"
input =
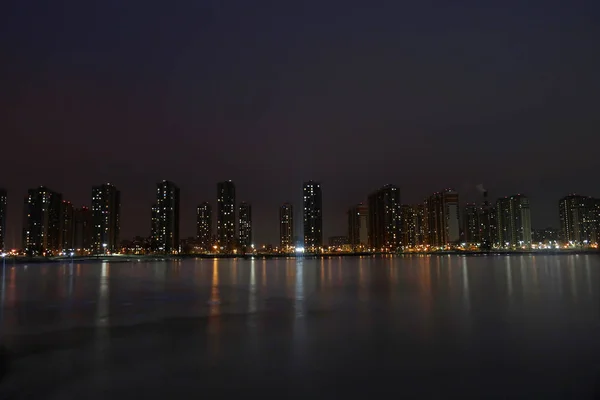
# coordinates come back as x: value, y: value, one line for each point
x: 355, y: 94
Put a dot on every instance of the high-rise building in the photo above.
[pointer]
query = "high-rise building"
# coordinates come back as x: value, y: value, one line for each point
x: 245, y: 226
x: 421, y: 226
x: 358, y: 227
x: 385, y: 219
x: 67, y: 226
x: 338, y: 241
x: 313, y: 216
x: 106, y: 207
x: 408, y: 230
x: 472, y: 225
x: 204, y: 226
x: 165, y: 218
x: 41, y: 223
x: 83, y: 230
x: 578, y: 219
x: 286, y: 227
x: 226, y: 215
x: 443, y: 218
x: 488, y: 225
x: 3, y: 199
x: 514, y: 221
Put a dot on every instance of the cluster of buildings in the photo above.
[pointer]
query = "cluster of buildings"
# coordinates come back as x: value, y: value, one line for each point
x: 53, y: 226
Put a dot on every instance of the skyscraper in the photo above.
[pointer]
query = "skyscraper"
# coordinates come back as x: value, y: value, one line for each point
x: 408, y: 230
x: 358, y: 227
x: 165, y: 218
x: 578, y: 219
x: 313, y: 216
x: 41, y: 225
x: 226, y: 215
x: 67, y: 226
x: 83, y: 229
x: 443, y: 218
x: 245, y: 226
x: 421, y: 227
x: 514, y: 221
x: 204, y: 226
x: 385, y: 219
x: 286, y: 227
x: 488, y: 224
x: 106, y: 207
x: 3, y: 199
x: 472, y: 225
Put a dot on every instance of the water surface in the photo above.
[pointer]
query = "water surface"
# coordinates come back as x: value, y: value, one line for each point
x: 421, y: 326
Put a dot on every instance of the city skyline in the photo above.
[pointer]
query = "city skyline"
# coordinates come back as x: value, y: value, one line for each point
x: 70, y: 218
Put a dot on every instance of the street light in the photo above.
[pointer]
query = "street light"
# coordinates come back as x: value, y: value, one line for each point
x: 104, y: 245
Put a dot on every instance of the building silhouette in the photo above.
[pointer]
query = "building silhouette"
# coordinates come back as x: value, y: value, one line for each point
x: 313, y: 216
x: 286, y: 227
x: 472, y: 224
x: 165, y: 218
x: 67, y: 226
x: 578, y: 219
x: 385, y: 219
x: 226, y: 215
x: 245, y: 226
x: 41, y: 228
x: 83, y: 230
x: 3, y: 201
x: 106, y: 209
x: 443, y: 218
x: 358, y: 227
x: 514, y: 221
x: 204, y: 226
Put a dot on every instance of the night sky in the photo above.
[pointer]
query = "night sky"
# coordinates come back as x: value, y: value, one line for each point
x: 355, y: 94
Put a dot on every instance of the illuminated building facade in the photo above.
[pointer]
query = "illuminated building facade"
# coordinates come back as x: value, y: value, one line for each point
x: 578, y: 219
x: 204, y: 226
x: 443, y: 218
x: 165, y: 218
x: 472, y: 225
x: 226, y: 215
x: 385, y: 219
x: 286, y: 227
x: 106, y: 209
x: 83, y: 229
x: 245, y: 226
x: 313, y: 216
x: 67, y: 226
x: 41, y: 227
x: 514, y: 221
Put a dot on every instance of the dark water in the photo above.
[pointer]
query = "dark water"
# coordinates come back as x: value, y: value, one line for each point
x: 427, y: 327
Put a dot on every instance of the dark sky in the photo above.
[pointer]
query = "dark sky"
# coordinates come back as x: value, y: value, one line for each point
x: 355, y: 94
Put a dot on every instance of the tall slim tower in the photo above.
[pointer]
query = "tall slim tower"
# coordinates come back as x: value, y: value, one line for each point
x: 385, y: 218
x: 67, y: 226
x: 165, y: 215
x: 245, y: 226
x: 488, y: 223
x: 83, y: 230
x: 226, y: 214
x: 472, y: 225
x: 358, y: 227
x: 41, y: 227
x: 106, y: 207
x: 204, y: 225
x: 286, y: 227
x: 313, y: 216
x: 3, y: 199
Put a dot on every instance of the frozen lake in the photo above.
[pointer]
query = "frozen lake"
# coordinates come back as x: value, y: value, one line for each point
x: 432, y: 326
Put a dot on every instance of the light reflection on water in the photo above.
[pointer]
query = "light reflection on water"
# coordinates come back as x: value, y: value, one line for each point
x: 421, y: 287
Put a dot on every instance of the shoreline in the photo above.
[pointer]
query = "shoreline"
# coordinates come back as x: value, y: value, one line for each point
x: 157, y: 257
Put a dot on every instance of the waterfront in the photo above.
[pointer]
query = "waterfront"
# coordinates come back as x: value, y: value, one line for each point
x: 486, y: 326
